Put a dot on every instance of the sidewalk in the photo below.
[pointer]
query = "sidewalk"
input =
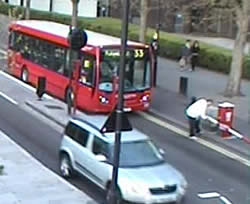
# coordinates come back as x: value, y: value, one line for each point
x: 218, y: 41
x: 27, y: 181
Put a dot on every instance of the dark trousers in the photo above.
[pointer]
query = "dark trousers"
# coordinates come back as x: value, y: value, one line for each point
x: 194, y: 126
x: 194, y: 61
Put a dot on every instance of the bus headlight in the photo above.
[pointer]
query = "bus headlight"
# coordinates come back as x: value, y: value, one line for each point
x: 145, y: 98
x: 103, y: 100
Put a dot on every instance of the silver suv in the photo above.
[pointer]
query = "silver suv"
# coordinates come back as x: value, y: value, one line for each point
x: 143, y: 176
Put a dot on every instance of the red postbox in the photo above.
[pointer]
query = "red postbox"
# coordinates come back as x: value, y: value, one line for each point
x: 225, y: 116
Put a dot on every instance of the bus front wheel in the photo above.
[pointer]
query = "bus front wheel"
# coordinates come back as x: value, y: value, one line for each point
x: 25, y: 75
x: 69, y: 96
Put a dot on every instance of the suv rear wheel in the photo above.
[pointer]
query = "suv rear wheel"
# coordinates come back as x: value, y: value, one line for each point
x: 66, y: 169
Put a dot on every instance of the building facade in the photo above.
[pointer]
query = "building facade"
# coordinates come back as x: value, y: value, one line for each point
x: 86, y: 8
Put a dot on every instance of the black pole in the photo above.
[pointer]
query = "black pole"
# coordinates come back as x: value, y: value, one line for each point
x: 159, y: 16
x: 158, y: 41
x: 69, y: 66
x: 119, y: 109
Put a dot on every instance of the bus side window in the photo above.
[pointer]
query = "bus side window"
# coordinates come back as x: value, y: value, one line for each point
x: 58, y: 54
x: 88, y: 70
x: 12, y: 36
x: 45, y: 54
x: 36, y: 53
x: 26, y: 47
x: 18, y: 42
x: 67, y: 61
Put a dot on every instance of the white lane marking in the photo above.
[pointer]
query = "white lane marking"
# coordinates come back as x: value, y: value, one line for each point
x: 224, y: 152
x: 8, y: 98
x: 199, y: 140
x: 3, y: 57
x: 3, y: 52
x: 214, y: 195
x: 225, y: 200
x: 208, y: 195
x: 23, y: 84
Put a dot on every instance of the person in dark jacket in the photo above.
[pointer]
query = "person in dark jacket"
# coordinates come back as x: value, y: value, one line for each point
x: 185, y: 55
x: 195, y: 49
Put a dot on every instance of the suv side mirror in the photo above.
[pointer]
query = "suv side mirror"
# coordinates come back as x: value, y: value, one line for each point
x: 101, y: 158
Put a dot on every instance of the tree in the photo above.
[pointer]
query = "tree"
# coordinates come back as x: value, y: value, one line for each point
x: 74, y: 12
x: 239, y: 8
x: 27, y: 10
x: 143, y: 20
x: 242, y: 8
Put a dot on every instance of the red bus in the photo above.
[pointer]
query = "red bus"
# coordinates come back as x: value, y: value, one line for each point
x: 41, y: 49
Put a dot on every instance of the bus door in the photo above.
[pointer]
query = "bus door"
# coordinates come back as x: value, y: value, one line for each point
x: 14, y: 53
x: 87, y: 81
x: 54, y: 62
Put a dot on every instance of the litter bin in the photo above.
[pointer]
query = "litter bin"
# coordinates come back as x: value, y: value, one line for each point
x: 225, y: 116
x: 183, y: 86
x: 41, y: 87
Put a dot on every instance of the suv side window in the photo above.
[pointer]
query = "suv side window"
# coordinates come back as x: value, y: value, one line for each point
x: 100, y: 147
x: 71, y: 130
x: 82, y: 136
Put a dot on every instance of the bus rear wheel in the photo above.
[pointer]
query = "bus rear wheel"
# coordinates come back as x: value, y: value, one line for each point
x: 69, y: 96
x: 25, y: 75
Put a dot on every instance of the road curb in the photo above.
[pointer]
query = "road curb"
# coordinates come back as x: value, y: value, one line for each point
x: 208, y: 137
x: 169, y: 119
x: 155, y: 114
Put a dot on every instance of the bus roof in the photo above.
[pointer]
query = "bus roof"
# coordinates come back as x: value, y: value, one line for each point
x: 62, y: 30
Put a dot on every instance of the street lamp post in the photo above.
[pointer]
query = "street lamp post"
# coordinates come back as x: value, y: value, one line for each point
x: 119, y: 108
x: 155, y: 44
x: 159, y: 17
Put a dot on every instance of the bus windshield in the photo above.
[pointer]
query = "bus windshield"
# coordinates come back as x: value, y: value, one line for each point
x: 136, y: 73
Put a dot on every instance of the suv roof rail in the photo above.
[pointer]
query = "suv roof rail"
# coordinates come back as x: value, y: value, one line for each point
x: 85, y: 121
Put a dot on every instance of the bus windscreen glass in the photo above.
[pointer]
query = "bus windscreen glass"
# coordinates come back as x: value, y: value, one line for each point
x: 136, y: 73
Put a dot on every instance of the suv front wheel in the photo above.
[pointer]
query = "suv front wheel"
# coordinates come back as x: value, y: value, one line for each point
x: 66, y: 169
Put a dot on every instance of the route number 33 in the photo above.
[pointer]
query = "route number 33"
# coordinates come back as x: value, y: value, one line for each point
x: 139, y: 53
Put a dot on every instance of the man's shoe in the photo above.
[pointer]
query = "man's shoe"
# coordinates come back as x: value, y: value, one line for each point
x: 193, y: 138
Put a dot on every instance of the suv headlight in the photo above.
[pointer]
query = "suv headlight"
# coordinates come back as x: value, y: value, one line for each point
x: 137, y: 189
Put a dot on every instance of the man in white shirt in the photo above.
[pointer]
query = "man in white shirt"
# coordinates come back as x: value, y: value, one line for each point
x: 194, y: 112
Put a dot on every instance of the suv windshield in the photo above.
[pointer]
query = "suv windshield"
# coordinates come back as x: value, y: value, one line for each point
x: 136, y: 73
x: 138, y: 153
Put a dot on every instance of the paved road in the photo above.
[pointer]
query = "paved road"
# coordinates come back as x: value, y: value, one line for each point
x: 204, y: 168
x: 39, y: 139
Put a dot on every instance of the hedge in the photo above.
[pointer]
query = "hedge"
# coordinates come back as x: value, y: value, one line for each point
x: 211, y: 57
